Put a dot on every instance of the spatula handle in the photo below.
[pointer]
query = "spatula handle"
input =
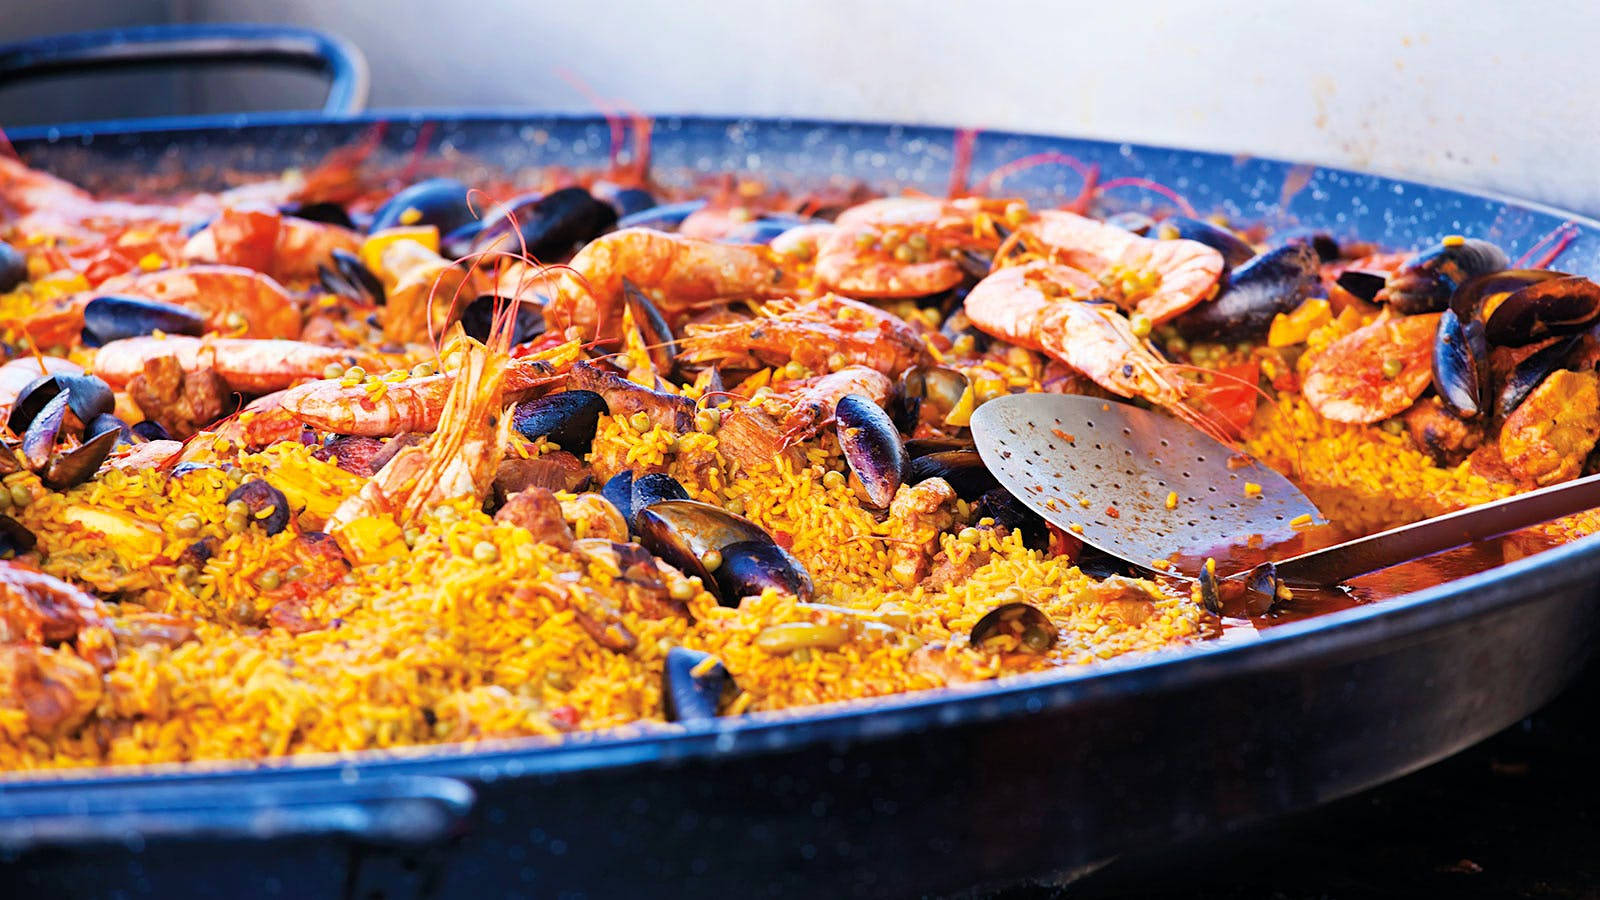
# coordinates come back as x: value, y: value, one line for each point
x: 1341, y: 562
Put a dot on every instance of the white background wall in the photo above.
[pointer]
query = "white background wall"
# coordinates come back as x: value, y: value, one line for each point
x: 1495, y: 94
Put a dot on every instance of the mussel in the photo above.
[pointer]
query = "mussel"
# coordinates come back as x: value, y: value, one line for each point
x: 649, y: 489
x: 1015, y: 627
x: 1275, y: 282
x: 265, y: 505
x: 545, y: 227
x: 653, y: 328
x: 440, y: 202
x: 150, y: 431
x: 478, y: 318
x: 1530, y: 373
x: 15, y: 538
x: 61, y: 469
x: 694, y: 686
x: 567, y: 419
x: 626, y: 201
x: 666, y: 217
x: 923, y: 446
x: 325, y: 212
x: 1428, y: 280
x: 762, y: 230
x: 619, y: 490
x: 1361, y: 284
x: 112, y: 318
x: 1263, y: 589
x: 1210, y: 589
x: 1521, y: 306
x: 926, y: 394
x: 872, y: 448
x: 962, y: 469
x: 1461, y: 365
x: 13, y: 267
x: 1132, y: 220
x: 1325, y: 245
x: 1234, y: 250
x: 349, y: 277
x: 87, y: 396
x: 732, y: 555
x: 1013, y: 515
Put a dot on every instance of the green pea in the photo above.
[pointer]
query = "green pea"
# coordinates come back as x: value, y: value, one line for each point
x: 269, y: 580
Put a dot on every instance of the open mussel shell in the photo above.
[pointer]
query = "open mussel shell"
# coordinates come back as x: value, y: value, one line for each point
x: 1275, y: 282
x: 1262, y: 589
x: 75, y: 466
x: 689, y: 534
x: 1530, y: 373
x: 649, y: 489
x: 1032, y: 630
x: 653, y: 328
x: 1523, y: 306
x: 15, y: 538
x: 1325, y: 245
x: 1011, y: 514
x: 1210, y: 590
x: 13, y: 267
x: 619, y: 490
x: 962, y: 469
x: 1461, y: 365
x: 1234, y: 250
x: 322, y: 211
x: 150, y: 431
x: 1132, y: 220
x: 87, y: 397
x: 544, y: 227
x: 1361, y: 284
x: 440, y: 202
x: 567, y: 419
x: 114, y: 317
x: 938, y: 443
x: 926, y: 394
x: 39, y: 437
x: 872, y: 448
x: 1428, y: 280
x: 350, y: 278
x: 478, y: 318
x: 267, y: 506
x: 692, y: 689
x: 107, y: 422
x: 626, y: 201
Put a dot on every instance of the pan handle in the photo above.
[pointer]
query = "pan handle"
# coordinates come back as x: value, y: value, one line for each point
x: 338, y: 59
x: 403, y: 811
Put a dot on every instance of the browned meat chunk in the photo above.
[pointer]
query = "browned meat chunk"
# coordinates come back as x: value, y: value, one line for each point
x: 1443, y: 436
x: 1548, y: 437
x: 537, y: 510
x: 182, y: 404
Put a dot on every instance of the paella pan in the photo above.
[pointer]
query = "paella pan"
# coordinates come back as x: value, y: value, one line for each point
x: 779, y: 571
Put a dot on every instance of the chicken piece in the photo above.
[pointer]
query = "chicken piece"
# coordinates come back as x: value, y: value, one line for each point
x: 55, y: 689
x: 947, y: 571
x: 1548, y: 437
x: 1443, y: 436
x: 748, y: 437
x: 36, y: 608
x: 538, y: 511
x: 1123, y: 598
x: 182, y: 404
x: 918, y: 514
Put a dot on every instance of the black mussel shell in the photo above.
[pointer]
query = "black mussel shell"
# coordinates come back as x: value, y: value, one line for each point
x: 79, y: 464
x: 31, y: 400
x: 976, y: 265
x: 923, y: 446
x: 15, y: 538
x: 1545, y: 305
x: 963, y: 469
x: 440, y: 202
x: 1033, y: 630
x: 325, y: 212
x: 567, y: 419
x: 627, y: 201
x: 872, y: 448
x: 666, y: 217
x: 1361, y: 284
x: 1134, y: 221
x: 684, y: 532
x: 926, y: 394
x: 1234, y: 250
x: 1277, y: 281
x: 1210, y: 591
x: 478, y: 318
x: 107, y: 422
x: 1101, y: 565
x: 1461, y: 365
x: 750, y: 567
x: 1011, y: 514
x: 349, y: 277
x: 112, y: 318
x: 650, y: 489
x: 1324, y: 244
x: 619, y: 490
x: 957, y: 324
x: 693, y: 690
x: 1261, y: 589
x: 268, y: 507
x: 39, y: 438
x: 13, y: 267
x: 150, y: 431
x: 547, y: 227
x: 1530, y: 373
x: 1428, y: 280
x: 87, y: 397
x: 653, y: 328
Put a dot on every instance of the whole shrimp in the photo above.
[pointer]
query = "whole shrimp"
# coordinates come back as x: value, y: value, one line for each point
x: 811, y: 333
x: 678, y: 273
x: 1043, y: 306
x: 285, y: 247
x: 236, y: 301
x: 1157, y: 279
x: 811, y: 402
x: 906, y: 246
x: 456, y: 460
x: 247, y: 365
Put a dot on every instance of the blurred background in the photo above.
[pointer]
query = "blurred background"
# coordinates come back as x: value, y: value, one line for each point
x: 1486, y: 94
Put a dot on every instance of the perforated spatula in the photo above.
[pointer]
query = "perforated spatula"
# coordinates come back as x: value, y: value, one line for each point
x: 1145, y: 487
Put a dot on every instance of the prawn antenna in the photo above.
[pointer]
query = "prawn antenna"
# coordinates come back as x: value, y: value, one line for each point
x: 994, y: 179
x: 1562, y: 235
x: 966, y: 139
x: 1152, y: 186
